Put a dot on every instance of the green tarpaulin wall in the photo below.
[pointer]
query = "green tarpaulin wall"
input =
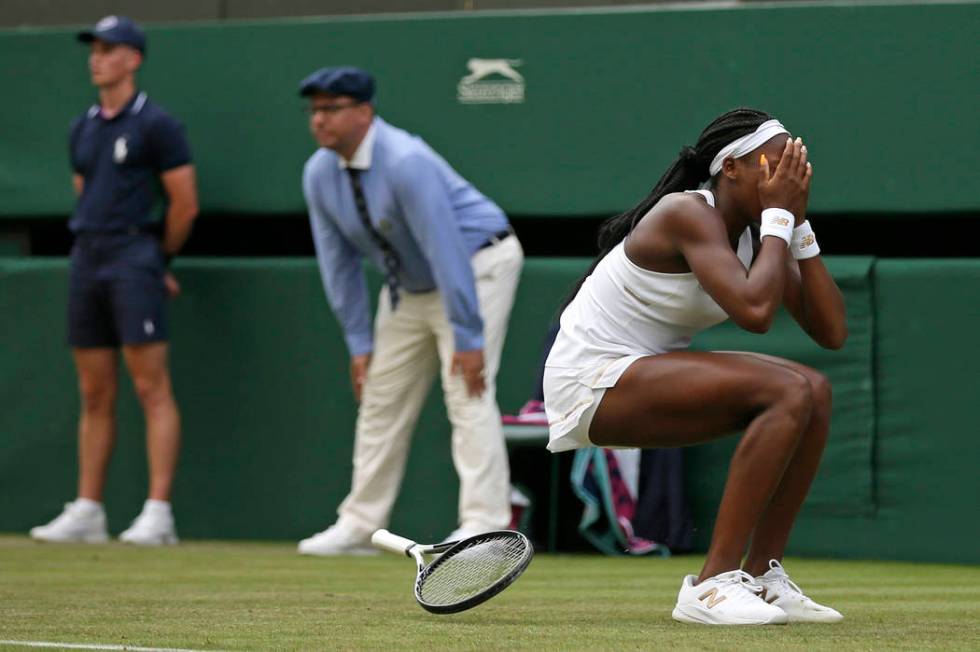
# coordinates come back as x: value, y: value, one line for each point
x: 261, y: 376
x: 885, y: 95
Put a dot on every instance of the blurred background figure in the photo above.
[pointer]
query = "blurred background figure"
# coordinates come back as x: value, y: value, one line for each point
x: 122, y: 149
x: 451, y: 265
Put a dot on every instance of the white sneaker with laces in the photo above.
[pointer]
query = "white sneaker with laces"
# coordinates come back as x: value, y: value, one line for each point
x: 153, y: 527
x: 726, y: 599
x: 779, y: 590
x: 82, y: 521
x: 336, y: 540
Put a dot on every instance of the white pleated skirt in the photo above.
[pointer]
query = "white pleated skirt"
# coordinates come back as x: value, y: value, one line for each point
x: 572, y: 396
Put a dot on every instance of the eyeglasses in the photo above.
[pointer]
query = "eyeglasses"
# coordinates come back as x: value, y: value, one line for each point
x: 329, y: 109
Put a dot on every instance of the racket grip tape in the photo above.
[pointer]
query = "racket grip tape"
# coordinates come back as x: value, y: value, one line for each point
x: 391, y: 542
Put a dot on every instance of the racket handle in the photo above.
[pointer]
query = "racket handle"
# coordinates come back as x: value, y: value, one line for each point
x: 392, y: 542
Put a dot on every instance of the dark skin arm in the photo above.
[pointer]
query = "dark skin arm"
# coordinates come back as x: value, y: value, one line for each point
x: 685, y: 227
x: 750, y: 297
x: 815, y: 301
x: 812, y: 297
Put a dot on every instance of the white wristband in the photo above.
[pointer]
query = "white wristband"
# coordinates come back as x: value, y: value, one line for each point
x: 777, y: 222
x: 804, y: 244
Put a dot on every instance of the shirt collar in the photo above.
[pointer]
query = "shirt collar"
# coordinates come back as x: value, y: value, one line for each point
x: 134, y: 106
x: 362, y: 157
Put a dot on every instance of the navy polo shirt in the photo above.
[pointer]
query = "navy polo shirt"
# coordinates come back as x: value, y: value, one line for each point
x: 121, y: 160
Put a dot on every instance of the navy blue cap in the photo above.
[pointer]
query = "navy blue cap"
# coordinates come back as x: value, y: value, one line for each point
x: 352, y: 82
x: 116, y: 29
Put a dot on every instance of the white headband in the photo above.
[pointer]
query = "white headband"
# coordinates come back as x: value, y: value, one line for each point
x: 745, y: 144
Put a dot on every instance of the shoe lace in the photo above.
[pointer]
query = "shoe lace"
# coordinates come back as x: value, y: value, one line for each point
x: 744, y: 584
x: 783, y: 582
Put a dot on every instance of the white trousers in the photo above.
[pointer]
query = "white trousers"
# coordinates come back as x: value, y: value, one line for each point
x: 410, y: 345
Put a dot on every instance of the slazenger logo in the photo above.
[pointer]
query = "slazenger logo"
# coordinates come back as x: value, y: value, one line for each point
x: 484, y: 84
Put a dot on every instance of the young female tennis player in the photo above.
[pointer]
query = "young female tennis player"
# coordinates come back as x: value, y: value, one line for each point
x: 619, y: 375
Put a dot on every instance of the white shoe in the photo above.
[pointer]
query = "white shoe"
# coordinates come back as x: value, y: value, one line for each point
x: 82, y: 521
x: 779, y: 590
x: 727, y: 599
x: 153, y: 527
x: 461, y: 533
x: 336, y: 540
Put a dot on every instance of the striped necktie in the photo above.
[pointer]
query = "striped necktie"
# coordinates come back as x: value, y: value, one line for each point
x: 391, y: 264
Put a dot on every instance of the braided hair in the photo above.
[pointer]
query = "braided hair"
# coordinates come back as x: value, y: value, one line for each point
x: 687, y: 172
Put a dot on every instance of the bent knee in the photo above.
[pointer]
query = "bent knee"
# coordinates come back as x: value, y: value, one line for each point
x: 795, y: 397
x: 821, y: 390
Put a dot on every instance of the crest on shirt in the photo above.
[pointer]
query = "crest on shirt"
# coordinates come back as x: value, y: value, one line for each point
x: 120, y: 150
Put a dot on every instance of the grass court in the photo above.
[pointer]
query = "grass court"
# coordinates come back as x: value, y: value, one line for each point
x: 263, y: 596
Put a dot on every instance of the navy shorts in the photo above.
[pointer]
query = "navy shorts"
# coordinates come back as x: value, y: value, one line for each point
x: 116, y: 293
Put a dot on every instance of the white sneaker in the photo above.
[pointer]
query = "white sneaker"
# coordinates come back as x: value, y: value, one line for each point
x: 779, y: 590
x: 461, y: 533
x: 336, y: 540
x: 153, y: 527
x: 727, y: 599
x: 82, y: 521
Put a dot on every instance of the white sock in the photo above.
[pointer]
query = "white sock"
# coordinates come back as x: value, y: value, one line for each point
x: 87, y: 505
x: 159, y: 507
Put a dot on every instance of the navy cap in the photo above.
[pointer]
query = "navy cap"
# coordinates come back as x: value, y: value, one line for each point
x: 352, y: 82
x: 116, y: 29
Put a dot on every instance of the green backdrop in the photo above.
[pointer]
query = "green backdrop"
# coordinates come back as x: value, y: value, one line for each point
x: 261, y: 376
x: 885, y: 96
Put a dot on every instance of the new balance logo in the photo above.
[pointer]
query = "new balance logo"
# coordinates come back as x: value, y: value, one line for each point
x: 711, y: 598
x: 765, y: 592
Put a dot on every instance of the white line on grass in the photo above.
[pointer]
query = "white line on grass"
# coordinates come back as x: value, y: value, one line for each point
x: 94, y: 646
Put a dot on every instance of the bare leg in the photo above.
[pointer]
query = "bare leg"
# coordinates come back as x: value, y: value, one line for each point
x: 772, y: 533
x: 685, y: 398
x: 97, y: 384
x: 147, y: 365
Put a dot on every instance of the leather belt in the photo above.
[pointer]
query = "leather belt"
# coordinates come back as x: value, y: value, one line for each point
x: 496, y: 238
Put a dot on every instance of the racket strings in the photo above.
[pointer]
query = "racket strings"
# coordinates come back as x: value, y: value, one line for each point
x: 471, y: 571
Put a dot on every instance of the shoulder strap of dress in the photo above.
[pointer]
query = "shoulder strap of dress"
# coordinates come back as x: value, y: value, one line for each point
x: 707, y: 194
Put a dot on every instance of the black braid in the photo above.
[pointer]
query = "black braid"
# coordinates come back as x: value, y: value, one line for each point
x: 687, y: 172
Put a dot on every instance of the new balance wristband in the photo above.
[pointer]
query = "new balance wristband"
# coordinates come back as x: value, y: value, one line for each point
x: 777, y: 222
x: 804, y: 244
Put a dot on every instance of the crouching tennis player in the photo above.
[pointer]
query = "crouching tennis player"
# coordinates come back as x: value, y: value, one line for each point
x: 619, y: 373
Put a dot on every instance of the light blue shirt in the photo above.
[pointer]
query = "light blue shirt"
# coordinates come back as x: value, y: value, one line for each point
x: 433, y: 218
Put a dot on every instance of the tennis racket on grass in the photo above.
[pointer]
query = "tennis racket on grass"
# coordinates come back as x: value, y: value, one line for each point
x: 465, y: 573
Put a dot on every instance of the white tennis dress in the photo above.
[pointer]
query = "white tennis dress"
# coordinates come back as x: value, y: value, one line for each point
x: 621, y: 313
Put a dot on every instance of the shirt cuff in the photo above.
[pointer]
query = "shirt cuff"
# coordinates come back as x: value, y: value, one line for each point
x: 359, y: 344
x: 467, y: 340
